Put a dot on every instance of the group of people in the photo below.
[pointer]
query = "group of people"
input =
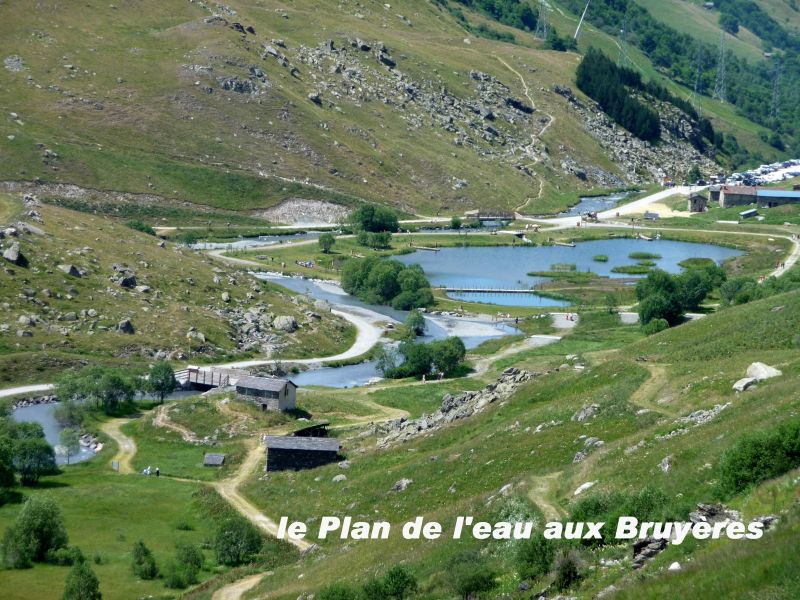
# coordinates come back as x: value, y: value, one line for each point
x: 148, y: 472
x: 308, y: 264
x: 439, y: 375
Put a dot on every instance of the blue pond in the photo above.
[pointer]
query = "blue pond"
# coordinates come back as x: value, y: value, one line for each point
x: 507, y: 267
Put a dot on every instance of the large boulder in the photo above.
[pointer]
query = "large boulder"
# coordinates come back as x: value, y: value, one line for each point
x: 13, y: 254
x: 285, y: 323
x: 759, y: 371
x: 125, y: 326
x: 71, y: 270
x: 744, y: 383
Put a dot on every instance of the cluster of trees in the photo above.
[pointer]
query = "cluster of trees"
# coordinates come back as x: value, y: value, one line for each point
x: 377, y: 240
x: 757, y: 457
x: 378, y: 281
x: 602, y: 80
x: 676, y: 54
x: 396, y: 584
x: 38, y: 535
x: 109, y: 389
x: 741, y: 290
x: 514, y: 13
x: 24, y: 451
x: 373, y: 218
x: 413, y: 359
x: 664, y: 298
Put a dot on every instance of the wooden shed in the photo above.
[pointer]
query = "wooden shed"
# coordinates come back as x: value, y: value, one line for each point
x: 697, y: 203
x: 289, y: 452
x: 213, y: 460
x: 268, y: 392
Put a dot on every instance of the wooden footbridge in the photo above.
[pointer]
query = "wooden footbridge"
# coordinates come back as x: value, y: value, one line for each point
x: 487, y: 290
x: 207, y: 378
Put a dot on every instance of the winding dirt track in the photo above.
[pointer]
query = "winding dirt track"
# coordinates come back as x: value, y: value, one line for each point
x: 126, y: 445
x: 237, y: 589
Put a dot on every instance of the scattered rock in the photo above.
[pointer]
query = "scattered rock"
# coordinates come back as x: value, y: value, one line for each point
x: 339, y: 478
x: 583, y: 487
x: 587, y: 412
x: 644, y: 550
x: 285, y: 323
x: 744, y: 384
x: 13, y: 254
x: 665, y: 464
x: 759, y: 371
x: 402, y: 485
x: 125, y: 326
x: 70, y: 270
x: 675, y: 566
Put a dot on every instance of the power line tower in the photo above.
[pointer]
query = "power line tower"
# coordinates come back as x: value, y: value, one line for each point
x: 719, y: 85
x: 695, y: 98
x: 542, y: 22
x: 624, y: 59
x: 776, y: 91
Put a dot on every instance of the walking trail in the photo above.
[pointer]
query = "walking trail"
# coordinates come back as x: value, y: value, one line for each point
x: 126, y: 445
x: 237, y: 589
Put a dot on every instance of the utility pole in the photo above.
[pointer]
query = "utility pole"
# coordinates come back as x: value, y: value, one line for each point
x: 694, y: 98
x: 719, y: 85
x: 542, y: 23
x: 776, y: 92
x: 583, y: 16
x: 624, y: 59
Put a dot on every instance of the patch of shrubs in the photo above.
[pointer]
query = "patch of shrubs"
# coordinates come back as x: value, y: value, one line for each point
x: 396, y: 584
x: 649, y: 504
x: 759, y: 456
x: 668, y: 297
x: 141, y: 226
x: 418, y: 359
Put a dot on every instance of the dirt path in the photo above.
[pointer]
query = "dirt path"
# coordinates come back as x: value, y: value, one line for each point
x: 645, y: 395
x: 237, y: 589
x: 542, y: 493
x: 162, y: 420
x: 127, y: 447
x: 229, y: 490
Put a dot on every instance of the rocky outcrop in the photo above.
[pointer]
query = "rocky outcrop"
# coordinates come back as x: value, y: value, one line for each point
x: 453, y: 408
x: 760, y: 372
x: 285, y: 323
x: 644, y: 550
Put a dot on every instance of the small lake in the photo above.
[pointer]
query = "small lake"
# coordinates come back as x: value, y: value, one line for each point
x: 507, y: 267
x: 44, y: 414
x: 595, y: 204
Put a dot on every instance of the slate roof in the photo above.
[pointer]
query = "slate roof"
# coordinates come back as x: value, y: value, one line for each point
x: 283, y: 442
x: 213, y: 460
x: 270, y: 384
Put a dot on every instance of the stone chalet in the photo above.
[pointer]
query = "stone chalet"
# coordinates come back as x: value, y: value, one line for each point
x: 763, y: 197
x: 291, y: 452
x: 268, y: 392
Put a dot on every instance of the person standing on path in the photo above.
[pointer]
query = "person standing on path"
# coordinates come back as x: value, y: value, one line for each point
x: 158, y: 472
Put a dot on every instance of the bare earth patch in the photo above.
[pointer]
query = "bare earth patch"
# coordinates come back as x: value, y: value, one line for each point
x: 297, y: 211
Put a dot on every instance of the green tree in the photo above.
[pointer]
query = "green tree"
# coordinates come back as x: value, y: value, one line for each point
x: 69, y: 442
x: 447, y: 354
x: 38, y: 529
x: 694, y: 174
x: 190, y: 559
x: 6, y: 462
x: 729, y: 23
x: 81, y: 583
x: 374, y: 218
x: 470, y: 583
x: 70, y: 413
x: 326, y: 242
x: 455, y: 222
x: 33, y: 457
x: 161, y: 380
x: 143, y: 563
x: 416, y: 322
x: 659, y: 298
x: 236, y: 542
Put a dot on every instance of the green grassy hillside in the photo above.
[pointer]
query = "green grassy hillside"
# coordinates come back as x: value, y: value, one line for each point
x: 132, y: 97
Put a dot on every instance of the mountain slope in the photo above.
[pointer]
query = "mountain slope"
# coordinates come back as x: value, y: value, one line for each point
x: 180, y: 100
